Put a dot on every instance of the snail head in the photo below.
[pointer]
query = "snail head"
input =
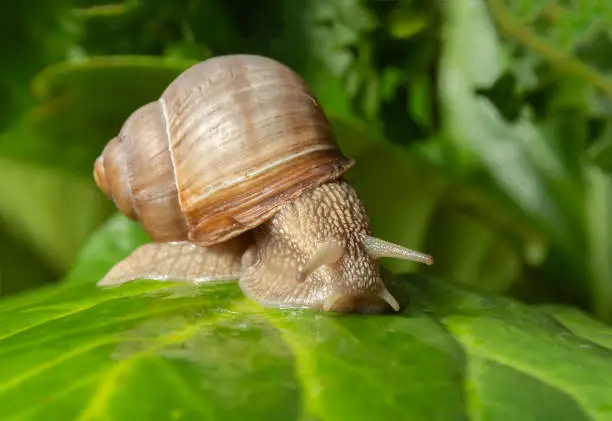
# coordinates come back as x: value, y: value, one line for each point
x: 317, y: 252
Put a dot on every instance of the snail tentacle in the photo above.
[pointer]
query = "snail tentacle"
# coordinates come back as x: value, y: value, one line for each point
x: 378, y: 248
x: 328, y: 252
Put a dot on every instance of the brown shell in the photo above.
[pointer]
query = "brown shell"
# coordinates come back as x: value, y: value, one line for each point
x: 228, y: 142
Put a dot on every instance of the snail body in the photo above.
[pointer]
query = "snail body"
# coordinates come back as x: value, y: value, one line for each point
x: 234, y: 173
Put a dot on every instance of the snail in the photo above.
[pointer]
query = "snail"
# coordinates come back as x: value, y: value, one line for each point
x: 235, y: 175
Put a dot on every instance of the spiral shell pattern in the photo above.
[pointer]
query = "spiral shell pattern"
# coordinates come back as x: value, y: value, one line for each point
x: 229, y: 141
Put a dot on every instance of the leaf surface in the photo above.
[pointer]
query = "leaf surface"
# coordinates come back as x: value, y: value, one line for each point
x: 173, y: 351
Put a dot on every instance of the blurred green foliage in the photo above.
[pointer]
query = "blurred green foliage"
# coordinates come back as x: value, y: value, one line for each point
x: 482, y: 129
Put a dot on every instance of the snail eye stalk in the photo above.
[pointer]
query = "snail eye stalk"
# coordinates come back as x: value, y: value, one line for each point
x: 378, y: 248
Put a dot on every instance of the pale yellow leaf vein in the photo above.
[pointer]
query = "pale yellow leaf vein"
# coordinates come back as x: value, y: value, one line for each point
x: 88, y: 328
x: 80, y: 309
x: 304, y: 368
x: 28, y: 374
x: 99, y: 402
x: 474, y: 404
x: 47, y: 320
x: 54, y: 396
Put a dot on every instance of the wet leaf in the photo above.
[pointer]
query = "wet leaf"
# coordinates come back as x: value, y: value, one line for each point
x: 174, y: 351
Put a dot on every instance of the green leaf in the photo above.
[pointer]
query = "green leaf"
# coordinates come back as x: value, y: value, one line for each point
x: 413, y: 202
x: 118, y: 238
x: 21, y: 268
x: 33, y: 33
x: 599, y: 207
x: 83, y: 104
x: 600, y: 151
x: 406, y: 23
x: 522, y: 160
x: 51, y: 211
x: 138, y: 27
x: 572, y: 38
x: 174, y: 351
x: 582, y: 324
x: 564, y: 24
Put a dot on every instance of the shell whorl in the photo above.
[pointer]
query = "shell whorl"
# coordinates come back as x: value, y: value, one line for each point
x: 229, y: 141
x: 136, y: 171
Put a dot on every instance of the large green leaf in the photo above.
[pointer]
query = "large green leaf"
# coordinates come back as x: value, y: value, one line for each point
x: 156, y: 350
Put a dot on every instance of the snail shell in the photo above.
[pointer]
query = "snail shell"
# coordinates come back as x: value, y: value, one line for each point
x: 235, y: 174
x: 228, y: 142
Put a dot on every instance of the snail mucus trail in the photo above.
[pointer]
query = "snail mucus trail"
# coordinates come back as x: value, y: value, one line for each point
x: 235, y: 174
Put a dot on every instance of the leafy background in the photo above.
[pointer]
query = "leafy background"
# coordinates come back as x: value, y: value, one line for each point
x: 482, y: 132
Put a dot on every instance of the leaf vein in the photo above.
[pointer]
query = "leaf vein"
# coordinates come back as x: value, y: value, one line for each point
x: 88, y: 328
x: 99, y: 402
x: 74, y: 311
x: 23, y: 377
